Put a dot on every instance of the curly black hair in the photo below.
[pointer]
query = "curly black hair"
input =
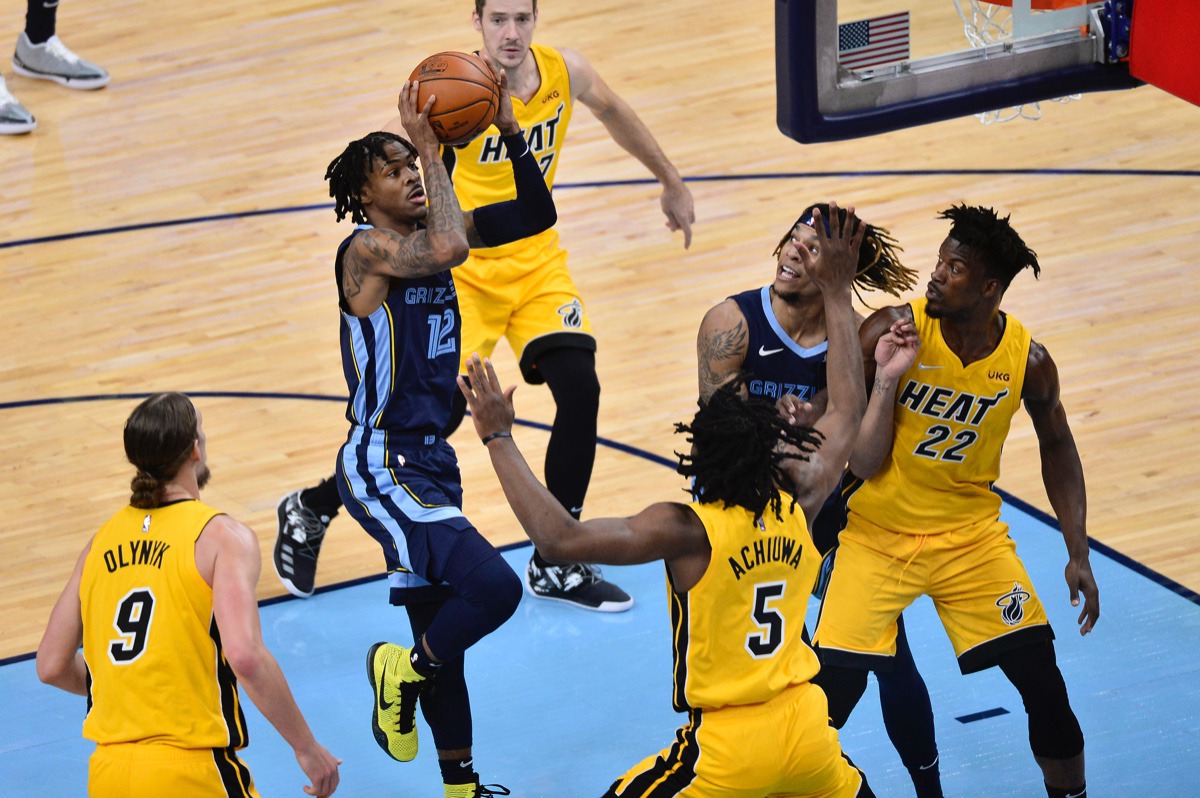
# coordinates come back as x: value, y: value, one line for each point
x: 347, y: 173
x: 879, y: 266
x: 739, y: 445
x: 993, y: 239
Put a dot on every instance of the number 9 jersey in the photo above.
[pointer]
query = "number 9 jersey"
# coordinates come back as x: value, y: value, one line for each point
x: 156, y: 673
x: 951, y: 421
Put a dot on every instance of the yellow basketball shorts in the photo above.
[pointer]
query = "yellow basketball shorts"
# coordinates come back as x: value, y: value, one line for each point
x: 978, y: 584
x: 784, y: 746
x: 527, y: 297
x: 147, y: 770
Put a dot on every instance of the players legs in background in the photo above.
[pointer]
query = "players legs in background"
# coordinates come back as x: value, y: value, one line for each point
x: 570, y: 373
x: 41, y: 54
x: 908, y: 718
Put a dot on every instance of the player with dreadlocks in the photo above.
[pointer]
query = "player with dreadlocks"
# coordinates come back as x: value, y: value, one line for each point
x: 927, y: 520
x: 740, y: 563
x: 775, y: 337
x: 396, y: 474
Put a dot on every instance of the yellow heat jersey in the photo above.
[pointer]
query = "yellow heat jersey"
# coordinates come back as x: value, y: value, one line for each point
x: 738, y: 633
x: 950, y: 425
x: 481, y: 171
x: 156, y: 673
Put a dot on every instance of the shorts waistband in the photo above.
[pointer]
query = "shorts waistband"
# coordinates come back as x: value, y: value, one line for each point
x: 390, y: 438
x: 155, y: 752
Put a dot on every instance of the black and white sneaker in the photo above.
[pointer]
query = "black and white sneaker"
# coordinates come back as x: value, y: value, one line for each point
x: 297, y: 545
x: 579, y: 584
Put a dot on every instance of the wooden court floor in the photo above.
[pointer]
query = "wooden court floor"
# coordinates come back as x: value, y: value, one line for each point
x: 233, y: 110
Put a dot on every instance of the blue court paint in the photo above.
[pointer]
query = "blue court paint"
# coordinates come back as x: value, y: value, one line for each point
x: 987, y: 713
x: 566, y: 700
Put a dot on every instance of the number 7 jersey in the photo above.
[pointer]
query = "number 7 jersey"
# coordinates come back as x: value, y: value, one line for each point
x: 951, y: 422
x: 156, y: 673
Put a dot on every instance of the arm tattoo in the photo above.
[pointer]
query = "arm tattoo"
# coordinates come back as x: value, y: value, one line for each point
x: 445, y: 214
x: 720, y: 346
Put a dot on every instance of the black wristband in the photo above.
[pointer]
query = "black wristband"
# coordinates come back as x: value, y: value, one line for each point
x: 496, y: 435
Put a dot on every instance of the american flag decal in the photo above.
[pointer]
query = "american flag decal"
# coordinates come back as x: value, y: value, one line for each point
x: 871, y: 42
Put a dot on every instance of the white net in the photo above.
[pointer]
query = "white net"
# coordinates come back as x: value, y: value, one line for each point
x: 984, y: 24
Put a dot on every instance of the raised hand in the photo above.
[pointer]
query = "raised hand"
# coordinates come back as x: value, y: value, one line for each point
x: 506, y: 119
x: 897, y: 349
x: 416, y: 122
x: 795, y: 411
x: 491, y: 407
x: 835, y: 263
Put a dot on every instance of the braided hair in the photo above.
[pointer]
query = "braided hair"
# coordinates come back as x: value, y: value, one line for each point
x: 739, y: 446
x: 993, y: 239
x: 348, y: 172
x: 159, y: 436
x: 879, y: 266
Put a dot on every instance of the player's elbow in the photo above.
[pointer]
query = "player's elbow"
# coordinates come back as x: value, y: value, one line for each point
x: 50, y: 668
x: 246, y: 660
x: 451, y: 251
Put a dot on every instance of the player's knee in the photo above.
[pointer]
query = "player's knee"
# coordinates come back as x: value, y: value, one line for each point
x: 571, y: 375
x: 495, y: 591
x: 1054, y: 731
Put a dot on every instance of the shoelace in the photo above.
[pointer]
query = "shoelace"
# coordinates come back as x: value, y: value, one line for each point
x: 576, y: 575
x: 306, y: 522
x: 56, y: 48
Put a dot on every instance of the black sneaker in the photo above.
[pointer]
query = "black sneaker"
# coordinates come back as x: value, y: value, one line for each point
x: 578, y: 584
x: 297, y: 544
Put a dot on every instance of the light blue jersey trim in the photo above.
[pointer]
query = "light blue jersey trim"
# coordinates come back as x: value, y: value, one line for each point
x: 784, y: 338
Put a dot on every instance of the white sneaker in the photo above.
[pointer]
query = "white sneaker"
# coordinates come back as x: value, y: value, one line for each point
x: 53, y: 60
x: 14, y: 117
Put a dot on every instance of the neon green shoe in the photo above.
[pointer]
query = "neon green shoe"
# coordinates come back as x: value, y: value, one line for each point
x: 474, y: 790
x: 397, y: 687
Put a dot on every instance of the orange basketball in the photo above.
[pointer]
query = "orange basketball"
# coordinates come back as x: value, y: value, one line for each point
x: 467, y: 95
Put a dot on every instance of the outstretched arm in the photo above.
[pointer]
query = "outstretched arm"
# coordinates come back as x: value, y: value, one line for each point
x: 59, y: 660
x: 663, y: 531
x: 1062, y: 473
x: 832, y: 268
x: 232, y: 549
x: 628, y: 130
x: 889, y: 346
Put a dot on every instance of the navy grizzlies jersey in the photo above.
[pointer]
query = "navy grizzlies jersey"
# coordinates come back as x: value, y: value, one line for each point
x: 401, y: 362
x: 776, y: 365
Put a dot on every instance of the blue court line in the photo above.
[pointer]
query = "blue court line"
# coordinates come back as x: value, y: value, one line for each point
x: 641, y: 181
x: 1025, y: 507
x: 984, y: 715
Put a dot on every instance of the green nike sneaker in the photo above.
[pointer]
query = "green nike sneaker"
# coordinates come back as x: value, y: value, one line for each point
x: 397, y: 687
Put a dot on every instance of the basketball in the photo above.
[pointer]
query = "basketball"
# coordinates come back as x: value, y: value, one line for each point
x: 467, y: 95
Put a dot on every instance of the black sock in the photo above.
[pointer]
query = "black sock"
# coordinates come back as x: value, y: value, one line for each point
x: 421, y: 662
x: 1075, y: 792
x: 457, y: 771
x: 927, y: 780
x: 39, y: 20
x: 323, y: 499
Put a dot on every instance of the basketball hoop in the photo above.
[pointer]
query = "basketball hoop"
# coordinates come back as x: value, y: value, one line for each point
x: 988, y: 22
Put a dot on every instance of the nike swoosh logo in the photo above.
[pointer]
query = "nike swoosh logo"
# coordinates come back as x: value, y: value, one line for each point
x: 934, y: 764
x: 1077, y: 794
x: 763, y: 351
x: 923, y: 367
x: 466, y: 764
x: 384, y: 705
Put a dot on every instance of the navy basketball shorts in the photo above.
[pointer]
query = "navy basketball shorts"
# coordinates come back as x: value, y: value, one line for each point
x: 406, y: 492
